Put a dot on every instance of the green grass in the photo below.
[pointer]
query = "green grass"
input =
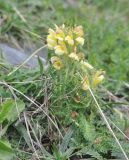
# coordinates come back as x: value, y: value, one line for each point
x: 106, y: 29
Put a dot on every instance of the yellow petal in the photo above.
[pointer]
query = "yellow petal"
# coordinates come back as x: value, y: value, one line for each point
x: 80, y: 41
x: 63, y: 26
x: 85, y: 84
x: 74, y: 56
x: 69, y: 40
x: 60, y: 34
x: 50, y: 46
x: 61, y: 49
x: 79, y: 31
x: 51, y: 31
x: 57, y: 63
x: 51, y: 41
x: 98, y: 78
x: 87, y: 65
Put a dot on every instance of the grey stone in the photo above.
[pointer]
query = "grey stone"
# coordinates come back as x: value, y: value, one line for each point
x: 15, y: 57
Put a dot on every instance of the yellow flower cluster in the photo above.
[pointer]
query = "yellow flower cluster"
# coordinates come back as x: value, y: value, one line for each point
x: 66, y: 42
x: 63, y: 38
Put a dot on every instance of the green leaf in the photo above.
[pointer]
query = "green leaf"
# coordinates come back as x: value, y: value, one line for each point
x: 41, y: 65
x: 87, y: 128
x: 15, y: 111
x: 66, y: 140
x: 6, y: 152
x: 5, y: 107
x: 56, y: 153
x: 11, y: 109
x: 23, y: 132
x: 93, y: 153
x: 3, y: 130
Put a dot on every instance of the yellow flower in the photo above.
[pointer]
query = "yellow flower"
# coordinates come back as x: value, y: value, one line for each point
x: 69, y: 38
x: 87, y: 65
x: 51, y: 32
x: 79, y: 31
x: 57, y: 63
x: 80, y: 40
x: 51, y: 39
x: 98, y: 78
x: 51, y: 42
x: 74, y: 56
x: 85, y: 84
x: 60, y: 33
x: 61, y: 49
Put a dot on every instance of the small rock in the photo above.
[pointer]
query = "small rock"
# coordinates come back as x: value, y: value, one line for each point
x: 15, y: 57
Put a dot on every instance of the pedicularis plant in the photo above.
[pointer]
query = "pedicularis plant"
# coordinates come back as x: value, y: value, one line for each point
x: 71, y: 102
x: 73, y: 75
